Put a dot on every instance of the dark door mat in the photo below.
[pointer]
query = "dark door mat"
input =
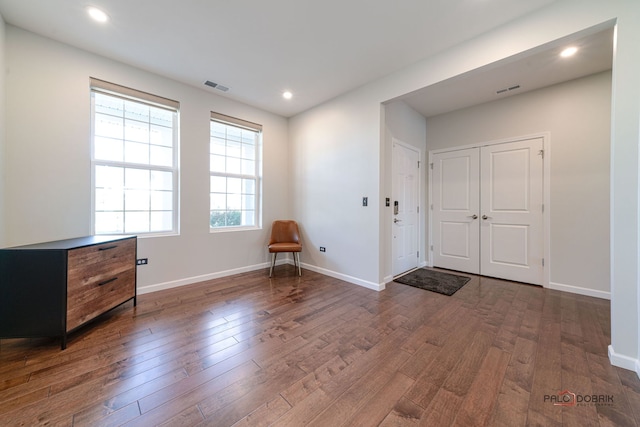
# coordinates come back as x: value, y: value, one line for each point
x: 435, y: 281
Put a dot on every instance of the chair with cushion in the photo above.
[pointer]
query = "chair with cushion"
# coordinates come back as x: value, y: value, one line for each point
x: 285, y: 237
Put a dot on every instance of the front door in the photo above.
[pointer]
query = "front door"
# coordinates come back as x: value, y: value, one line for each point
x: 405, y: 208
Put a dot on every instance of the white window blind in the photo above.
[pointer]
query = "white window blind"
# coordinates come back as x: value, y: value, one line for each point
x: 134, y: 161
x: 234, y: 165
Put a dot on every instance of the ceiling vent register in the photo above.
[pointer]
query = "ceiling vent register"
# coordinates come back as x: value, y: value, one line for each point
x: 216, y: 86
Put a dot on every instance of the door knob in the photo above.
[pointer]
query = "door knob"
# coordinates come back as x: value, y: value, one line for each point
x: 396, y: 220
x: 474, y: 216
x: 485, y: 217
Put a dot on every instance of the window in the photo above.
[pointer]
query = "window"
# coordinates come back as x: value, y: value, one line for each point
x: 134, y: 161
x: 234, y: 165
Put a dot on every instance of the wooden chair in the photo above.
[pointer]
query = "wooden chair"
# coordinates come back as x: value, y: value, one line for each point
x: 285, y: 237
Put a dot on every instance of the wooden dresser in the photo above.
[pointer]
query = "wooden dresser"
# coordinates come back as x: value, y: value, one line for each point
x: 50, y: 289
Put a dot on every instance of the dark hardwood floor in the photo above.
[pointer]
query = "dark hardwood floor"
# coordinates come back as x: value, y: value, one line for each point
x: 246, y: 350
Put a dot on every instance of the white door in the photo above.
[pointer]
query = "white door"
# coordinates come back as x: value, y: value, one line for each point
x: 405, y: 208
x: 487, y: 210
x: 455, y: 214
x: 511, y: 213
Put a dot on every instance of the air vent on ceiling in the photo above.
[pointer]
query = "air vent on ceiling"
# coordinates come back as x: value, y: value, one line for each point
x: 508, y: 89
x: 216, y: 86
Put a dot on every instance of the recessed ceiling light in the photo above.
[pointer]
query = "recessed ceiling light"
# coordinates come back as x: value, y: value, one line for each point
x: 97, y: 14
x: 287, y: 95
x: 570, y: 51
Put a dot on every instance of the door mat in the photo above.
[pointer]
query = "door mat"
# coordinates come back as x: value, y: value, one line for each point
x: 435, y: 281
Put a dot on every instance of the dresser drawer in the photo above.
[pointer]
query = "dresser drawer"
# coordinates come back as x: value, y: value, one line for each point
x: 99, y: 262
x: 99, y: 278
x: 96, y: 297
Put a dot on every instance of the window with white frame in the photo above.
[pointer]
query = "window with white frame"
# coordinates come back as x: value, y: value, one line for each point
x: 134, y: 161
x: 234, y: 165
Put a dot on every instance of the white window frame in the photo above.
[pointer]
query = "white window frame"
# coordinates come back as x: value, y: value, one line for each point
x: 125, y: 93
x: 257, y: 177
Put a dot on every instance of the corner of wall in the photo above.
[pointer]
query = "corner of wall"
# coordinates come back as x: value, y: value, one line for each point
x: 3, y: 68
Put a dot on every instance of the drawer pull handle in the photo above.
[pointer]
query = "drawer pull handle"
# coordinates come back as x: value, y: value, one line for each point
x: 107, y: 248
x: 107, y: 281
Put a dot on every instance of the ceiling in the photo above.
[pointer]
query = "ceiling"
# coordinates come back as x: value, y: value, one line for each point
x: 522, y: 73
x: 258, y: 49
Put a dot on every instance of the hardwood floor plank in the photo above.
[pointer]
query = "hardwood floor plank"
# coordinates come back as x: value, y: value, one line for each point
x: 546, y: 378
x: 512, y: 405
x: 404, y: 413
x: 324, y: 403
x: 478, y: 404
x: 189, y: 417
x: 194, y: 386
x: 347, y: 402
x: 266, y: 414
x: 464, y: 372
x: 442, y: 409
x: 436, y: 373
x: 379, y: 405
x: 249, y: 350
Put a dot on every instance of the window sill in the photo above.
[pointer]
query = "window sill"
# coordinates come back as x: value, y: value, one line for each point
x: 232, y: 229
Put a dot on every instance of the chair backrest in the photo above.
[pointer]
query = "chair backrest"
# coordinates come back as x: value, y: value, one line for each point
x: 284, y: 231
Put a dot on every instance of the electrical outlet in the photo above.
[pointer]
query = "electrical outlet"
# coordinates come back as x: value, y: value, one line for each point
x: 323, y: 249
x: 142, y: 261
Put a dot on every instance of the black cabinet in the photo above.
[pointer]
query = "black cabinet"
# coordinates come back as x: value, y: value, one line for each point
x: 49, y: 289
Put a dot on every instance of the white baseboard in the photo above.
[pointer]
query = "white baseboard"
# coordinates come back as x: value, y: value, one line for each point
x: 195, y: 279
x: 624, y: 362
x: 581, y: 291
x: 346, y: 278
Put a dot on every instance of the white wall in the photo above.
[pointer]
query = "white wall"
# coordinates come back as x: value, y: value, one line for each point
x: 351, y: 125
x: 48, y: 161
x: 578, y: 116
x: 331, y: 175
x: 2, y: 130
x: 403, y: 123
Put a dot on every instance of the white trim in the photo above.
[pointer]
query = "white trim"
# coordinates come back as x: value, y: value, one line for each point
x: 546, y: 195
x: 624, y: 362
x: 196, y: 279
x: 580, y: 290
x: 346, y: 278
x: 421, y: 214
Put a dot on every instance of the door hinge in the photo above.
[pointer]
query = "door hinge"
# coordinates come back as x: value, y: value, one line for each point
x: 418, y: 164
x: 418, y: 254
x: 418, y: 209
x: 432, y: 207
x: 543, y: 262
x: 431, y: 166
x: 543, y: 207
x: 541, y: 153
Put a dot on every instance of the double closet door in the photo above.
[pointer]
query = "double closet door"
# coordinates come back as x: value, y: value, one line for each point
x: 487, y: 210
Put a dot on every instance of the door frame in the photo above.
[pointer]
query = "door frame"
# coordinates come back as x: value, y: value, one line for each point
x: 546, y: 187
x: 420, y: 200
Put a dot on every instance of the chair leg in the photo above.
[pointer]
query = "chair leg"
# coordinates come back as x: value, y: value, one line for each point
x: 297, y: 255
x: 295, y: 261
x: 273, y: 262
